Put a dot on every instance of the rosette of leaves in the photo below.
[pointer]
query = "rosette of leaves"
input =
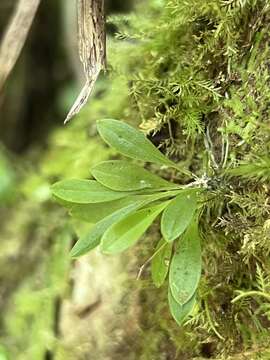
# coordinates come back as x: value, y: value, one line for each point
x: 124, y: 199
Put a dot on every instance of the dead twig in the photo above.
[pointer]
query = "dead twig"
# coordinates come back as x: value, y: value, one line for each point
x: 15, y: 36
x: 92, y: 47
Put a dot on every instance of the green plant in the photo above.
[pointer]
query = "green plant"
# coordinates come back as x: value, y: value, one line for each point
x: 125, y: 199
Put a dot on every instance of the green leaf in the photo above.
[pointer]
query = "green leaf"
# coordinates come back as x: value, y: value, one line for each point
x: 178, y: 215
x: 185, y: 269
x: 180, y: 312
x: 130, y: 142
x: 92, y: 213
x: 93, y: 238
x: 127, y: 232
x: 123, y: 176
x: 160, y: 263
x: 84, y: 191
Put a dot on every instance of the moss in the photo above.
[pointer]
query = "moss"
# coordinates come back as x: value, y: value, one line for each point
x: 194, y: 89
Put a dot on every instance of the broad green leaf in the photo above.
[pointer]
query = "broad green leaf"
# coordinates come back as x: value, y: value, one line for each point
x: 180, y: 312
x: 127, y: 232
x: 130, y: 142
x: 93, y: 238
x: 178, y: 215
x: 160, y: 263
x: 93, y: 213
x: 185, y: 268
x: 84, y: 191
x: 123, y: 176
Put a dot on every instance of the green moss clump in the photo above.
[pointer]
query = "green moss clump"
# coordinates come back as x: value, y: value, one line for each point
x: 199, y: 85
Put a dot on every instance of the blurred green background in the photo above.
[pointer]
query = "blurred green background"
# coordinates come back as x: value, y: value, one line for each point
x: 43, y: 297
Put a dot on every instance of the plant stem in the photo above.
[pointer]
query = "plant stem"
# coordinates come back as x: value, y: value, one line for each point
x: 212, y: 325
x: 251, y: 293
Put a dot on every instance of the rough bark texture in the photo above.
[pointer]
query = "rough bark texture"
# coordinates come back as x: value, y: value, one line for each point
x: 92, y: 48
